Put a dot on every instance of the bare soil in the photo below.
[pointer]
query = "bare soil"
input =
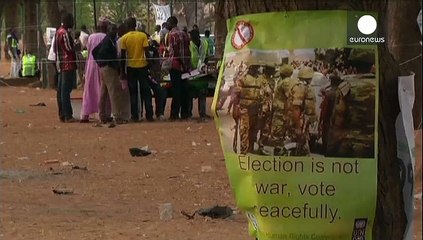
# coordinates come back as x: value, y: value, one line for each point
x: 118, y: 196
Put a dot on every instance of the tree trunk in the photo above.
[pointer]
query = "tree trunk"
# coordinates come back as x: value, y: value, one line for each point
x: 30, y: 36
x: 2, y: 5
x: 390, y: 220
x: 65, y: 5
x: 1, y: 24
x: 207, y: 21
x: 404, y: 43
x: 53, y: 14
x: 11, y: 17
x: 181, y: 11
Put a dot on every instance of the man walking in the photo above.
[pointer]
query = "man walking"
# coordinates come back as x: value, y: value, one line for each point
x: 134, y: 48
x: 66, y: 67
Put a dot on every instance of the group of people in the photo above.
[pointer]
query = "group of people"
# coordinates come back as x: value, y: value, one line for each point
x: 320, y: 66
x: 284, y: 110
x: 124, y: 70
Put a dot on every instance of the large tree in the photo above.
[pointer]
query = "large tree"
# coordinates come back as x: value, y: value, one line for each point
x: 11, y: 12
x: 65, y: 5
x: 1, y: 24
x: 31, y: 26
x: 390, y: 217
x: 53, y: 14
x: 404, y: 44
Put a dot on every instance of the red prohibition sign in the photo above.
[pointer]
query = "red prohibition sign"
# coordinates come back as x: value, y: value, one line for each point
x: 243, y: 34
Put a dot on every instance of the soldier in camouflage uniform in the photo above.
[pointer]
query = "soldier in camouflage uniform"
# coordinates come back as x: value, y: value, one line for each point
x: 268, y: 79
x: 297, y: 101
x: 240, y: 70
x: 278, y: 118
x: 235, y: 99
x: 327, y: 113
x: 249, y: 108
x: 347, y: 123
x: 303, y: 109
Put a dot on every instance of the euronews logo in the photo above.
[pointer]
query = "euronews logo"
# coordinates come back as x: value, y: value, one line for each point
x: 362, y: 29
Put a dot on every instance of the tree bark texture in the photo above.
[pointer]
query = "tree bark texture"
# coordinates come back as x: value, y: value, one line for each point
x: 53, y: 14
x: 1, y: 24
x: 65, y: 5
x: 1, y: 11
x: 31, y: 26
x: 11, y: 16
x: 404, y: 43
x: 390, y: 220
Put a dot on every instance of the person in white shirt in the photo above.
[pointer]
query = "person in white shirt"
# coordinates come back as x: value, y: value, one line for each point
x: 84, y: 37
x: 52, y: 59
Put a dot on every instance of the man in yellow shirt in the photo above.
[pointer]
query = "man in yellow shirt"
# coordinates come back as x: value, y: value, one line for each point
x: 134, y: 49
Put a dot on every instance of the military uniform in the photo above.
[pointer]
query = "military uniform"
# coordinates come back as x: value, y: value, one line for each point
x: 266, y: 109
x: 278, y: 119
x: 279, y: 116
x: 327, y: 111
x: 348, y: 123
x: 251, y: 93
x: 294, y: 111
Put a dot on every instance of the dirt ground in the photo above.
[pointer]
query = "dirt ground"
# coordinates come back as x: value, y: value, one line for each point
x: 118, y: 196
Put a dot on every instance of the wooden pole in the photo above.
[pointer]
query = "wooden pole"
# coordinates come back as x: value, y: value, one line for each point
x: 37, y: 6
x: 196, y: 11
x: 23, y: 29
x: 126, y: 8
x: 148, y: 16
x: 121, y: 13
x: 95, y: 14
x: 74, y: 14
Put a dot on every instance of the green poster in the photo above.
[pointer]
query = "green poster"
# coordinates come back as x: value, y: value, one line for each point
x: 296, y: 111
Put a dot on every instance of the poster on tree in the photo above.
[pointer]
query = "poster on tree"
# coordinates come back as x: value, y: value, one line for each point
x: 296, y: 110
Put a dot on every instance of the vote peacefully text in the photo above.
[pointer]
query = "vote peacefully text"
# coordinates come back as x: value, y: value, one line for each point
x: 317, y: 200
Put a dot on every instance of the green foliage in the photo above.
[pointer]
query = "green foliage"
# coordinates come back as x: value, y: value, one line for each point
x: 116, y: 10
x: 84, y: 14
